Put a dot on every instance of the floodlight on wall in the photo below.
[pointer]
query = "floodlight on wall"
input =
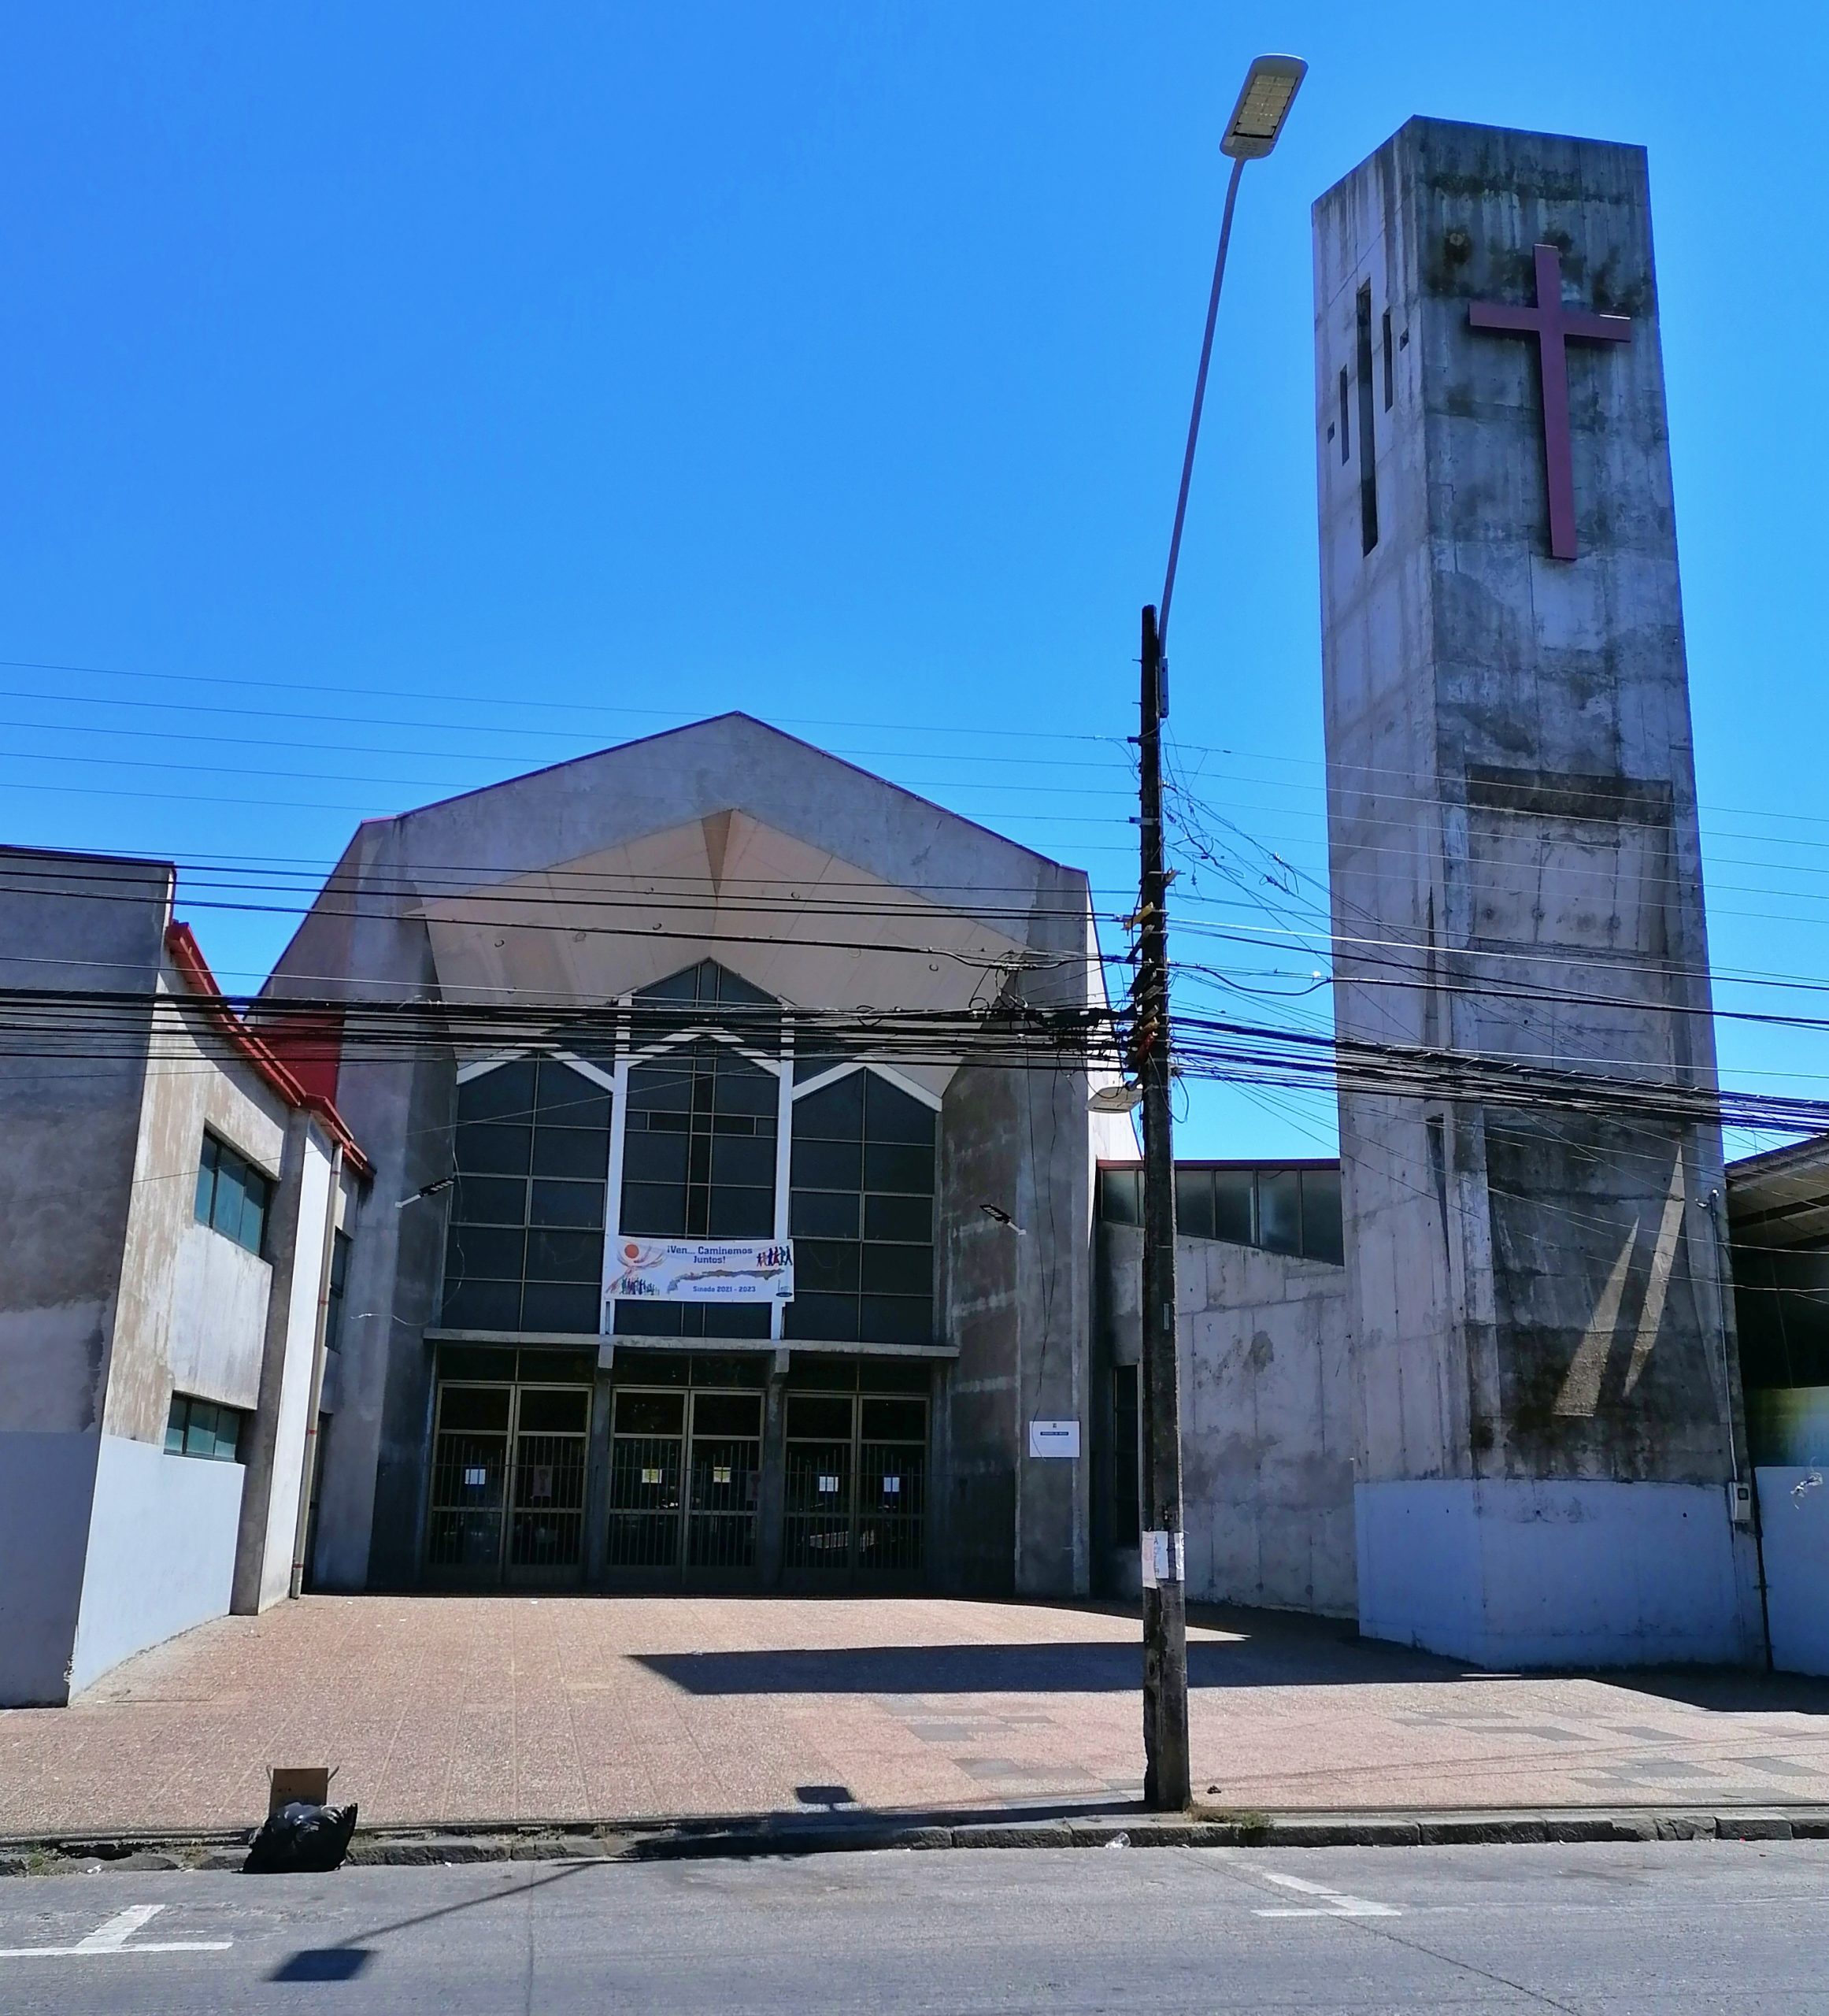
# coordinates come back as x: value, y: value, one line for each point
x: 1120, y: 1097
x: 1271, y: 85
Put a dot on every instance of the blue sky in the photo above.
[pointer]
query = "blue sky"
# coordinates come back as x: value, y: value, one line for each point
x: 399, y: 396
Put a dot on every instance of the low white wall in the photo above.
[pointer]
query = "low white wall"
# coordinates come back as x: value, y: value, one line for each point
x: 161, y: 1551
x: 1794, y: 1522
x: 1516, y: 1574
x: 45, y: 1481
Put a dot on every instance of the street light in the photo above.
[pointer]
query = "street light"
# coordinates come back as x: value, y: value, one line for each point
x: 1256, y: 121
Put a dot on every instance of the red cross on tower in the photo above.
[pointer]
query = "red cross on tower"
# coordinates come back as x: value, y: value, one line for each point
x: 1554, y: 327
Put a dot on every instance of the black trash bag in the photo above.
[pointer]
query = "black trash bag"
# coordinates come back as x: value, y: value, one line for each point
x: 301, y: 1839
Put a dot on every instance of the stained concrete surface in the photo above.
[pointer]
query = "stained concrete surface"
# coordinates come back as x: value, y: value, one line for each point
x: 1696, y: 1927
x: 449, y: 1710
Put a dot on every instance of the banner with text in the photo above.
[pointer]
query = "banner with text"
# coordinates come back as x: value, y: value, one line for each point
x: 702, y: 1270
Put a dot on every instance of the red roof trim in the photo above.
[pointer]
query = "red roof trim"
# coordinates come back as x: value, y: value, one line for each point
x: 187, y: 956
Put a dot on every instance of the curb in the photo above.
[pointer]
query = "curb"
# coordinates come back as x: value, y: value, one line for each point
x: 737, y: 1839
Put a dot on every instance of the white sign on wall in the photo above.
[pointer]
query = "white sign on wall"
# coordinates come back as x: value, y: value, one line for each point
x: 1054, y: 1438
x: 701, y: 1270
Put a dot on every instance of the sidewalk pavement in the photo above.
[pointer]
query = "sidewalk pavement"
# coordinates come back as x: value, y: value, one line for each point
x: 460, y: 1710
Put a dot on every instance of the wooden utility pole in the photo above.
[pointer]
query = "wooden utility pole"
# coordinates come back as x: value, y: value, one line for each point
x: 1166, y: 1786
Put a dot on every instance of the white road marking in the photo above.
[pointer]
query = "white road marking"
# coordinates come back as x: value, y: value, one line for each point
x: 1338, y: 1904
x: 111, y: 1937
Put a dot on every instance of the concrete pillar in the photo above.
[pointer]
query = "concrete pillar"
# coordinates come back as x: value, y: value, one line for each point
x: 1545, y: 1362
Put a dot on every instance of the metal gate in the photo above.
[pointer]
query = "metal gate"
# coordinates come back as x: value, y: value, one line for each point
x: 684, y: 1472
x: 856, y: 1501
x: 507, y: 1484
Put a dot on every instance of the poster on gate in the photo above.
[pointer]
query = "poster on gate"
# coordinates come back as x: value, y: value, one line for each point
x: 702, y: 1270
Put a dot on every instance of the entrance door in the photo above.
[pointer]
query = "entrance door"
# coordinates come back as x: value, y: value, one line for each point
x: 508, y: 1484
x: 725, y: 1468
x: 546, y: 1537
x: 857, y: 1487
x: 647, y: 1450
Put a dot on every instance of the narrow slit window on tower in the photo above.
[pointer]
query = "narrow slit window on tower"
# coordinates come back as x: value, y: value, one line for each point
x: 1390, y: 381
x: 1367, y: 461
x: 1345, y: 436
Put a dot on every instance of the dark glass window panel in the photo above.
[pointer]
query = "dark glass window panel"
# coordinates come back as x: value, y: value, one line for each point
x: 225, y: 1208
x: 494, y: 1148
x: 822, y: 1318
x: 543, y: 1366
x: 568, y: 1099
x: 1193, y: 1202
x: 505, y: 1093
x: 823, y: 1266
x: 730, y: 1368
x: 1121, y: 1196
x: 634, y: 1318
x: 1280, y: 1211
x: 744, y: 1124
x: 725, y: 1319
x: 827, y: 1164
x: 820, y: 1372
x: 175, y: 1426
x: 899, y: 1218
x: 893, y: 1375
x: 474, y: 1408
x: 746, y: 1089
x: 484, y: 1253
x: 475, y: 1361
x: 555, y: 1411
x: 205, y: 1183
x: 740, y: 1213
x: 1322, y: 1235
x: 1232, y: 1189
x: 482, y: 1306
x: 896, y: 1319
x: 815, y: 1055
x: 746, y: 1160
x: 659, y: 1123
x: 893, y: 1167
x: 728, y: 1414
x: 828, y: 1213
x: 650, y: 1413
x: 565, y: 1256
x: 896, y: 1270
x: 570, y: 1151
x: 813, y: 1417
x: 706, y: 982
x: 654, y: 1158
x: 654, y: 1210
x: 835, y: 1112
x: 490, y: 1200
x: 663, y: 1086
x: 579, y: 1204
x: 893, y: 1421
x: 890, y: 1114
x: 255, y: 1191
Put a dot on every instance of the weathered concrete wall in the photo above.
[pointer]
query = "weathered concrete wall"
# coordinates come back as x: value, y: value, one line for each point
x: 1268, y: 1419
x: 193, y: 1304
x: 69, y: 1116
x: 1514, y: 863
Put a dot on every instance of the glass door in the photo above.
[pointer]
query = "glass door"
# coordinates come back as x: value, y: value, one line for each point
x: 726, y: 1467
x: 546, y: 1541
x: 647, y: 1447
x: 469, y: 1482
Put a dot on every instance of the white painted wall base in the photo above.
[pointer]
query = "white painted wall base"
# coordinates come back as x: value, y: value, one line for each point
x: 1794, y: 1522
x: 161, y: 1551
x: 1519, y: 1574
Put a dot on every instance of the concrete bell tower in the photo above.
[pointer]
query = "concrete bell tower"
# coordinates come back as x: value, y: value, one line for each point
x: 1550, y: 1467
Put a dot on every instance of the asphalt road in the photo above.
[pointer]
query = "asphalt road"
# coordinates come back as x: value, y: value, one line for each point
x: 1697, y: 1926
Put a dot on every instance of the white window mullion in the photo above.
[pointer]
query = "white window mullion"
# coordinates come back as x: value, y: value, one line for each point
x: 618, y: 1133
x: 783, y: 1158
